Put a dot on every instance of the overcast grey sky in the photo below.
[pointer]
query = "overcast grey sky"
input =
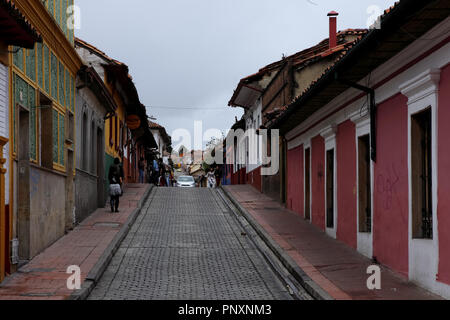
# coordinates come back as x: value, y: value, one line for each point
x: 192, y: 53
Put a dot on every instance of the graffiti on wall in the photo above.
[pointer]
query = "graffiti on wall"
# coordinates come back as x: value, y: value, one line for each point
x: 35, y: 177
x: 386, y: 187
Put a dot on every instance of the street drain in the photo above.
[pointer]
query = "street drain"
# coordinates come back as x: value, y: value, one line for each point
x: 107, y: 225
x: 38, y: 270
x: 38, y: 294
x: 271, y: 209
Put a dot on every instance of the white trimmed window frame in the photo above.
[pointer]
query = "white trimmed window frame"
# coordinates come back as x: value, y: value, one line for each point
x: 307, y: 145
x: 329, y: 135
x: 422, y: 92
x: 254, y: 142
x: 364, y: 239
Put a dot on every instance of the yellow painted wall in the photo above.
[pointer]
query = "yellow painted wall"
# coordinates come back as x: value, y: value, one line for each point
x: 61, y: 45
x: 113, y: 149
x: 62, y: 106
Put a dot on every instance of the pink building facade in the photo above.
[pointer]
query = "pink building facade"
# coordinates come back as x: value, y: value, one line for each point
x: 395, y: 208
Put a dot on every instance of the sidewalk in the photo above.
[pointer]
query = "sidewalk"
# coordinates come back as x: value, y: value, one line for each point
x: 337, y: 270
x: 88, y: 246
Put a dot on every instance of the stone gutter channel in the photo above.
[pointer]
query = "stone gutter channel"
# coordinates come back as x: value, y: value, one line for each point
x: 296, y: 281
x: 100, y: 267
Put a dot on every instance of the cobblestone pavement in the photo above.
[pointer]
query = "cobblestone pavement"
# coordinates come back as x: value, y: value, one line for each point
x: 185, y: 246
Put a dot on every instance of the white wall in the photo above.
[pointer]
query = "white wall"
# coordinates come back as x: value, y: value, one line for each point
x: 253, y: 122
x: 4, y: 121
x: 159, y: 141
x: 88, y: 103
x: 95, y: 61
x: 92, y: 60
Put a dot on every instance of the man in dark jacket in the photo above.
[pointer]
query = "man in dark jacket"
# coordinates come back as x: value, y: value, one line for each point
x: 115, y: 177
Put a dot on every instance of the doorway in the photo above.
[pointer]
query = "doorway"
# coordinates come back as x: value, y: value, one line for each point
x: 330, y: 189
x: 308, y: 184
x: 364, y: 185
x: 4, y: 219
x: 23, y: 172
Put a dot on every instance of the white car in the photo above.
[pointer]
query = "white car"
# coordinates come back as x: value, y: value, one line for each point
x: 186, y: 182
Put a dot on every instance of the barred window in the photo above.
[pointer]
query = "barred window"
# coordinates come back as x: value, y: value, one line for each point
x: 422, y: 203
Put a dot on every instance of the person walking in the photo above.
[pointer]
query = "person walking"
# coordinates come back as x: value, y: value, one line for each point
x: 218, y: 174
x: 156, y: 166
x: 155, y: 176
x: 149, y: 173
x: 115, y: 177
x: 162, y: 176
x: 211, y: 179
x: 172, y: 178
x: 168, y: 181
x: 201, y: 180
x: 141, y: 166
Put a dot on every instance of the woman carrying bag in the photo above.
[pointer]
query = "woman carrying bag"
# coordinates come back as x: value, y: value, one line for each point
x: 211, y: 178
x: 115, y: 177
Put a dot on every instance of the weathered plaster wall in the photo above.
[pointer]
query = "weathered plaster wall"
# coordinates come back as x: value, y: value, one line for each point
x: 318, y: 181
x: 305, y: 76
x: 444, y: 173
x: 92, y: 60
x: 90, y: 154
x: 295, y: 180
x: 86, y: 197
x: 346, y: 183
x: 88, y: 105
x: 390, y: 227
x: 271, y: 186
x: 47, y: 214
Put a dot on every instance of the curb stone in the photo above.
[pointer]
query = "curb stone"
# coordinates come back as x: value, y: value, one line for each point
x: 298, y: 273
x: 97, y: 271
x: 295, y: 289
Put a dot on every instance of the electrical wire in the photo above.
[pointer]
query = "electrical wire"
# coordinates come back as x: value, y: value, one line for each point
x: 186, y: 108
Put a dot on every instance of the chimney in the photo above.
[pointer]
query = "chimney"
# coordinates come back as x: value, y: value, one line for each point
x: 333, y: 28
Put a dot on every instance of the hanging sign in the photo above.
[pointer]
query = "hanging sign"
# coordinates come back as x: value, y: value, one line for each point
x: 133, y: 122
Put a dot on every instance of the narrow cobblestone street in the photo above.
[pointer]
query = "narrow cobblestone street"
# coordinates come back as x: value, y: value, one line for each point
x: 185, y: 245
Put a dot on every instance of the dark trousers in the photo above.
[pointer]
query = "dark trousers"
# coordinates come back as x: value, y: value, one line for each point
x: 115, y: 203
x: 141, y: 176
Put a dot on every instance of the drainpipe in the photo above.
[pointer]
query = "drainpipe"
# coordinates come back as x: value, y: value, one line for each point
x: 373, y: 113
